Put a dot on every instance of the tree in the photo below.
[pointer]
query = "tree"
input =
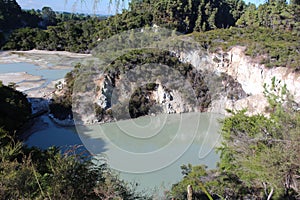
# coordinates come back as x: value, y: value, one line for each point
x: 264, y: 152
x: 48, y: 16
x: 192, y: 176
x: 259, y: 154
x: 31, y: 173
x: 295, y: 2
x: 10, y: 13
x: 14, y: 108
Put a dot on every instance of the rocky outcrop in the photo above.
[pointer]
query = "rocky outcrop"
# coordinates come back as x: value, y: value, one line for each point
x: 106, y: 87
x: 170, y: 101
x: 128, y: 90
x: 247, y: 72
x: 112, y: 98
x: 159, y: 98
x: 220, y: 81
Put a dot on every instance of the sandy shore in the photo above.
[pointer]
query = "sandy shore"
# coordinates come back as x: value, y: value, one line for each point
x: 18, y: 77
x: 32, y: 85
x: 38, y: 92
x: 45, y: 59
x: 43, y: 92
x: 25, y: 86
x: 62, y: 53
x: 29, y: 84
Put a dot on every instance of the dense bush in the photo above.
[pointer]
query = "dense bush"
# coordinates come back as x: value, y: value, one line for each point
x: 51, y: 174
x: 277, y: 41
x: 259, y: 155
x: 12, y: 102
x: 82, y: 34
x: 272, y: 48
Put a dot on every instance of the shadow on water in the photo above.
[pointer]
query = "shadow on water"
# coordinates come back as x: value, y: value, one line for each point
x: 45, y: 133
x: 130, y: 146
x: 150, y: 150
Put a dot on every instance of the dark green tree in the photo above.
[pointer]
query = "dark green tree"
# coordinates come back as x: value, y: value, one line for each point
x: 295, y: 2
x: 48, y: 16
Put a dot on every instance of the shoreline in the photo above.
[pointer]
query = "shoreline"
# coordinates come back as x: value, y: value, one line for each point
x: 46, y: 52
x: 43, y: 58
x: 38, y: 93
x: 48, y: 60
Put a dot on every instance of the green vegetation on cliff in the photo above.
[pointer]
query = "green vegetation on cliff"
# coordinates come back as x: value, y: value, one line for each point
x: 259, y: 155
x: 272, y: 48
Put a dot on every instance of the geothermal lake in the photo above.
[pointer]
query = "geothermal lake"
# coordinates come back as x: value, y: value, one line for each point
x: 49, y: 74
x: 43, y: 74
x: 148, y: 150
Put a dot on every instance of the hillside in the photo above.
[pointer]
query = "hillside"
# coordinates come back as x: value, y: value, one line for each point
x: 225, y: 54
x: 271, y: 29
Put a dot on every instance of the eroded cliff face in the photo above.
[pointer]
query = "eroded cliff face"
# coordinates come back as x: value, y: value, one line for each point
x: 171, y: 101
x: 218, y: 81
x: 207, y: 94
x: 248, y: 73
x: 115, y: 101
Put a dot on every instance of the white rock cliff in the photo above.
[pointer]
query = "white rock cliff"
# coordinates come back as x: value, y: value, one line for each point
x: 250, y: 74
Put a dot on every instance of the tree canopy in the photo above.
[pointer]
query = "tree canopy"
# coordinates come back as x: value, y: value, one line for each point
x: 81, y: 34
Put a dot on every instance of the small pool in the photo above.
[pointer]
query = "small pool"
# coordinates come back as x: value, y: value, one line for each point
x: 47, y: 74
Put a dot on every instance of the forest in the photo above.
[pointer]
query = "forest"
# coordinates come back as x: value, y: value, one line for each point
x: 272, y: 28
x: 259, y: 155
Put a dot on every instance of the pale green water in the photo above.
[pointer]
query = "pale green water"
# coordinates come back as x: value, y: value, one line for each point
x: 148, y: 150
x: 48, y: 74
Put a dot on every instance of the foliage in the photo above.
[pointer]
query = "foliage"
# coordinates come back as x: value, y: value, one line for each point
x: 276, y: 15
x: 259, y: 155
x: 264, y: 152
x: 39, y: 174
x: 272, y: 48
x: 12, y: 102
x: 187, y: 16
x: 9, y: 14
x: 275, y: 45
x: 24, y: 29
x: 12, y: 17
x: 23, y: 39
x: 82, y: 34
x: 270, y: 32
x: 74, y: 36
x: 192, y: 176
